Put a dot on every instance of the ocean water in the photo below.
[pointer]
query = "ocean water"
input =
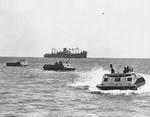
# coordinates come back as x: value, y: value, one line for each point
x: 32, y: 92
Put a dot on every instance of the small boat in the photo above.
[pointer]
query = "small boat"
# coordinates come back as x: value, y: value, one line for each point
x: 121, y: 81
x: 59, y: 66
x: 19, y: 63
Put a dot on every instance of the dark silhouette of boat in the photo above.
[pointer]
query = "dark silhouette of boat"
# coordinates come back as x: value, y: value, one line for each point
x: 19, y: 63
x: 66, y: 53
x: 59, y: 66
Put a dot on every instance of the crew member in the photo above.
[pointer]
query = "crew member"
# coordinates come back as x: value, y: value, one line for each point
x: 56, y: 63
x: 60, y: 64
x: 112, y: 69
x: 125, y: 70
x: 128, y: 69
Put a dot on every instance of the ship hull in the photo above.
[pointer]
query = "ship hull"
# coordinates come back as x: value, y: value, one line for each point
x: 16, y: 64
x: 13, y: 64
x: 80, y: 55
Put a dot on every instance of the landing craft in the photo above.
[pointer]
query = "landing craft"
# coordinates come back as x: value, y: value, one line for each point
x: 121, y: 81
x: 59, y: 66
x: 19, y: 63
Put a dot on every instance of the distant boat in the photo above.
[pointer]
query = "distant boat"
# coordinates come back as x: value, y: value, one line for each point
x: 121, y: 81
x: 59, y: 66
x: 19, y: 63
x: 66, y: 53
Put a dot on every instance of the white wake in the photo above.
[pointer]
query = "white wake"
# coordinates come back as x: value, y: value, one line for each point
x: 90, y: 79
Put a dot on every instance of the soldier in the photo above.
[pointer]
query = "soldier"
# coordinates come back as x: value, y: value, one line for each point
x: 125, y: 70
x: 112, y: 69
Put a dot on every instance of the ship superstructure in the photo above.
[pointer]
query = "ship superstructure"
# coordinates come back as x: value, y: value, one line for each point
x: 67, y: 53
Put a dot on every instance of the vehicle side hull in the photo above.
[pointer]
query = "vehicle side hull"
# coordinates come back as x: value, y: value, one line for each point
x: 116, y: 87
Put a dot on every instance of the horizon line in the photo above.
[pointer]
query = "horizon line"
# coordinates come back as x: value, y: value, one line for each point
x: 76, y: 58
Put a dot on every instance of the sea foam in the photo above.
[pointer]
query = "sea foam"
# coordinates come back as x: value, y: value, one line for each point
x: 90, y: 79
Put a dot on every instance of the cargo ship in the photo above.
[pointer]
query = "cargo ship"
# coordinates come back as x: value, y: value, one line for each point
x: 66, y: 53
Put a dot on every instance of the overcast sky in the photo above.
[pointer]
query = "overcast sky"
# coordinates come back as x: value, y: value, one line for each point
x: 105, y: 28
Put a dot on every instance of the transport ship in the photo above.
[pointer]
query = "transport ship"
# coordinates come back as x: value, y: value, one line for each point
x: 66, y: 53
